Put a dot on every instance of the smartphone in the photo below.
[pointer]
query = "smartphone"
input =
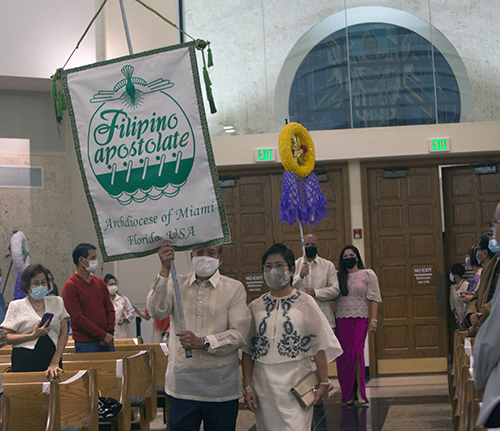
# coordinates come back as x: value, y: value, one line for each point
x: 47, y: 317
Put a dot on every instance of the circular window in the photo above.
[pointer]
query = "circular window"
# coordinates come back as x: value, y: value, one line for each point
x: 391, y: 75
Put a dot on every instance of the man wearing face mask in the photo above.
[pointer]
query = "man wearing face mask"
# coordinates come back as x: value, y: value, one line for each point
x: 206, y: 387
x: 86, y: 298
x: 323, y: 282
x: 479, y: 306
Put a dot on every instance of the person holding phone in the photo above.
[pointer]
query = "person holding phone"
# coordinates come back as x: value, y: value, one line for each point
x: 36, y: 325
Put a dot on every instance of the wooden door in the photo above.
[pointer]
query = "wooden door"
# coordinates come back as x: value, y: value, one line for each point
x: 249, y: 211
x: 252, y: 207
x: 470, y: 201
x: 405, y: 234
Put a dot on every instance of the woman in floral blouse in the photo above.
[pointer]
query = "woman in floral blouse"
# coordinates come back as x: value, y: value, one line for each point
x: 359, y: 296
x: 288, y: 330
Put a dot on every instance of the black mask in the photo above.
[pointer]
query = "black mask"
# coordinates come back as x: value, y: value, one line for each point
x: 311, y: 252
x: 350, y: 262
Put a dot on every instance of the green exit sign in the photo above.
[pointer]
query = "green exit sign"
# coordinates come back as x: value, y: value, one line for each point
x: 265, y: 154
x: 439, y: 145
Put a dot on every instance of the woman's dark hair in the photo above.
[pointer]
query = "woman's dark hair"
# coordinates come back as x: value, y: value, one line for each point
x: 30, y: 272
x: 55, y: 290
x: 343, y: 272
x: 284, y: 251
x: 472, y: 254
x: 82, y: 250
x: 108, y: 277
x: 484, y: 241
x: 458, y: 269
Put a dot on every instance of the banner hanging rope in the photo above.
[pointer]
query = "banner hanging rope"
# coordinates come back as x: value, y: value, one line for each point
x: 57, y: 96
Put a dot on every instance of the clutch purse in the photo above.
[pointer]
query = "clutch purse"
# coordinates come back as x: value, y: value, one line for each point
x: 305, y: 390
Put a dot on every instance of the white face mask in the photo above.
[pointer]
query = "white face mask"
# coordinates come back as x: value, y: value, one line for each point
x: 113, y: 289
x: 93, y: 264
x: 452, y: 278
x: 276, y: 279
x: 204, y: 266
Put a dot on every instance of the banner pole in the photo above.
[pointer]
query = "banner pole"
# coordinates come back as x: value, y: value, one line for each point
x: 125, y: 25
x: 303, y: 249
x: 189, y: 354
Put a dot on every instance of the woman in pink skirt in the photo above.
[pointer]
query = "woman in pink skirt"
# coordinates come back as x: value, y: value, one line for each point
x: 358, y: 288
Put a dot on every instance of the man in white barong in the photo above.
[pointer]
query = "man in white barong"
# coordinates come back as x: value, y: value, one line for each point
x: 322, y: 275
x: 206, y: 387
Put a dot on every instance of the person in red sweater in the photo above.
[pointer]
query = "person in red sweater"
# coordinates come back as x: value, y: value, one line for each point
x: 86, y: 298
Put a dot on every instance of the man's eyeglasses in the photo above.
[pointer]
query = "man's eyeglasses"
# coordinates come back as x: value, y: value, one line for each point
x: 268, y: 266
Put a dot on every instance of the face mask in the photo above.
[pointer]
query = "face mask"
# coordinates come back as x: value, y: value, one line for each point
x: 204, y: 266
x: 93, y: 264
x: 1, y: 281
x: 468, y: 265
x: 113, y: 289
x: 350, y: 262
x: 452, y: 278
x: 311, y: 252
x: 276, y: 279
x: 39, y: 292
x: 477, y: 257
x: 494, y: 246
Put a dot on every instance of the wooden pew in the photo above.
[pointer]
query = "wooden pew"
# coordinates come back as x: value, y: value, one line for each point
x: 32, y: 409
x: 127, y: 350
x: 110, y: 385
x: 142, y: 383
x: 119, y: 341
x: 77, y: 389
x: 4, y: 413
x: 161, y: 369
x: 70, y: 346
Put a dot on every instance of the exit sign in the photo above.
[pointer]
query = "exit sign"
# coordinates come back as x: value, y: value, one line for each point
x: 439, y: 145
x: 265, y: 154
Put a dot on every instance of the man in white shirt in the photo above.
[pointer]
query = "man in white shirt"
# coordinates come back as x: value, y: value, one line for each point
x: 323, y: 282
x: 206, y: 387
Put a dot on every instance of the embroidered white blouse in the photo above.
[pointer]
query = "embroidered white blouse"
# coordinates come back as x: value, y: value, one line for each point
x: 289, y: 328
x: 21, y: 318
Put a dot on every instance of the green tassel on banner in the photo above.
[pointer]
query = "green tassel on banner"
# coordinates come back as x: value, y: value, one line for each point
x: 53, y: 90
x: 210, y: 58
x: 213, y: 109
x: 206, y: 78
x: 59, y: 108
x: 63, y: 101
x: 210, y: 99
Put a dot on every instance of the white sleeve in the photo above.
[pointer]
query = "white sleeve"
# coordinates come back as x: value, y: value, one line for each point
x: 373, y: 290
x: 161, y: 298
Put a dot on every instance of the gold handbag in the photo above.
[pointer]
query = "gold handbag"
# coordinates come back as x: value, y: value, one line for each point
x: 305, y: 390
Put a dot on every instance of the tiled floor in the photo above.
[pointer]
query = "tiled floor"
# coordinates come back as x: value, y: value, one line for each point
x: 402, y: 403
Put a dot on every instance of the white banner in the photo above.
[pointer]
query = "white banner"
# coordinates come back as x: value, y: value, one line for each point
x: 144, y: 151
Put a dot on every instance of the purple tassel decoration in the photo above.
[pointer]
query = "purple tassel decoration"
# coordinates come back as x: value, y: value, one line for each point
x: 315, y: 203
x: 307, y: 205
x: 291, y: 198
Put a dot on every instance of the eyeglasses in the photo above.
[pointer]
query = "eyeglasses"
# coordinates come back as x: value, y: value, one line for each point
x: 268, y: 266
x: 494, y: 223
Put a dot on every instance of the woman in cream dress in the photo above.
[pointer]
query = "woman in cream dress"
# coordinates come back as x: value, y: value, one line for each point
x: 289, y: 338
